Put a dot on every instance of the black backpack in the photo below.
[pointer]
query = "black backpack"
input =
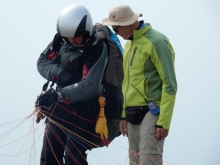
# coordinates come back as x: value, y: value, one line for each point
x: 114, y: 70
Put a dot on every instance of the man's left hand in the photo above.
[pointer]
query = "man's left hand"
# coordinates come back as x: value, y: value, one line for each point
x: 161, y: 133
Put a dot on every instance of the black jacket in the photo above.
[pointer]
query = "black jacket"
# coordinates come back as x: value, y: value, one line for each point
x: 89, y: 67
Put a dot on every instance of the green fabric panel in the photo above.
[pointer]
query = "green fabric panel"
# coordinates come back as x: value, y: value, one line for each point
x: 166, y: 56
x: 154, y: 80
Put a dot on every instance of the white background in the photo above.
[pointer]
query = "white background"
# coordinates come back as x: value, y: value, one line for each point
x: 193, y: 27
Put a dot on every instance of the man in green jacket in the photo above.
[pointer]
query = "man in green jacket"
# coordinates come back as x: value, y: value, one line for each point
x: 149, y: 86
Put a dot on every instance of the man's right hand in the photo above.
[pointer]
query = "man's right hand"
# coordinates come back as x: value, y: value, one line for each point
x: 123, y: 125
x: 64, y: 79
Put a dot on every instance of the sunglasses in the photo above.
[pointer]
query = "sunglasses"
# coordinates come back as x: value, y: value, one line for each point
x: 116, y: 29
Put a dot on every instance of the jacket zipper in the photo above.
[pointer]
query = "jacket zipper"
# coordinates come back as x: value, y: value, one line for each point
x: 131, y: 62
x: 132, y: 57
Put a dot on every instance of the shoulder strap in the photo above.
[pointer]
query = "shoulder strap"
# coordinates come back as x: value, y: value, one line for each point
x: 112, y: 39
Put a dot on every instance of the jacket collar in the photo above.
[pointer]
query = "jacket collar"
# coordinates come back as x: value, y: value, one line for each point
x: 140, y: 30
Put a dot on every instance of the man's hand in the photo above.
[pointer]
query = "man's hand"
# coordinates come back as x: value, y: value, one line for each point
x: 161, y: 133
x: 48, y: 98
x: 39, y: 115
x: 123, y: 125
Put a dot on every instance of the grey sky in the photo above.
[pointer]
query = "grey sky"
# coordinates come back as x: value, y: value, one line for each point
x: 192, y: 26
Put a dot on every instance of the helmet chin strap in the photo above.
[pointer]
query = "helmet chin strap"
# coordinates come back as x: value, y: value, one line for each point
x: 80, y: 47
x: 83, y: 43
x: 74, y: 46
x: 85, y: 39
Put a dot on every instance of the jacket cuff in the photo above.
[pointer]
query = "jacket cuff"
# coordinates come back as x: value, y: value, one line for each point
x: 62, y: 96
x: 158, y: 126
x: 123, y: 115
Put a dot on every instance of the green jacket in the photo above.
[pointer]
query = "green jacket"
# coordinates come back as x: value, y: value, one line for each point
x: 149, y: 73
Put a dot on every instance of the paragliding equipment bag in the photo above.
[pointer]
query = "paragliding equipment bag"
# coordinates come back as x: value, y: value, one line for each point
x: 135, y: 115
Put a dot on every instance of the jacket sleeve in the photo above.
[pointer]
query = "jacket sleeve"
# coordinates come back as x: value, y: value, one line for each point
x: 163, y: 59
x: 90, y: 85
x: 48, y: 64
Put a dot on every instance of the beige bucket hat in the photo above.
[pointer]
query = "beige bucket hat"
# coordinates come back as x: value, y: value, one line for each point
x: 121, y: 15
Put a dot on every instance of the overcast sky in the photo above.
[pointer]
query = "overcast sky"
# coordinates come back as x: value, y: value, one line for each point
x: 193, y: 27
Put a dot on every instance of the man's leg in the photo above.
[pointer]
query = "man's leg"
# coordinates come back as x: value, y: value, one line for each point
x: 82, y: 132
x: 75, y: 152
x: 150, y: 150
x: 133, y: 140
x: 77, y: 142
x: 52, y: 150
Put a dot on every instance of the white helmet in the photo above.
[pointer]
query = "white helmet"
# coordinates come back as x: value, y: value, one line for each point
x: 75, y: 20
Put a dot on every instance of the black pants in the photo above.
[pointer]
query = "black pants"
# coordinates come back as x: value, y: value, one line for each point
x: 60, y: 145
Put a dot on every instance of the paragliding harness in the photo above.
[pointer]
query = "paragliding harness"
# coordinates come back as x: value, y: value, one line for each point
x: 101, y: 123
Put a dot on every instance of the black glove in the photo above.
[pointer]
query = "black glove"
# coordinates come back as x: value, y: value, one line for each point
x: 64, y: 79
x: 48, y: 98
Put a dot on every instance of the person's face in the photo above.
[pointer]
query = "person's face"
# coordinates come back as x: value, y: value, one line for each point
x: 123, y: 31
x: 75, y: 40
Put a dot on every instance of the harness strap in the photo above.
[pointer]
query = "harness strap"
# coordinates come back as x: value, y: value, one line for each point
x: 45, y: 86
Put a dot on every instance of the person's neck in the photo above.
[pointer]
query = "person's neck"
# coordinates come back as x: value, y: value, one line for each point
x: 136, y: 25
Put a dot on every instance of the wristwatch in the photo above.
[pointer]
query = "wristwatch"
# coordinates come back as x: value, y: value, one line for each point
x: 60, y: 97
